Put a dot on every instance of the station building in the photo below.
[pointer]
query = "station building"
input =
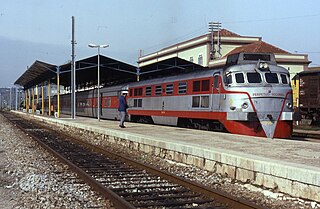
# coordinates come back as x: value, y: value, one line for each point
x: 211, y: 50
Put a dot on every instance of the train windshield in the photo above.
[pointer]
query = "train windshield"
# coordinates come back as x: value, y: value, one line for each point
x: 241, y: 78
x: 272, y: 78
x: 254, y: 77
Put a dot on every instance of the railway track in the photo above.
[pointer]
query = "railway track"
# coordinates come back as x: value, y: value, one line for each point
x: 127, y: 183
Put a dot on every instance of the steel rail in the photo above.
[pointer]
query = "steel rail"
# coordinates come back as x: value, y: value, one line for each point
x: 104, y: 191
x: 218, y: 195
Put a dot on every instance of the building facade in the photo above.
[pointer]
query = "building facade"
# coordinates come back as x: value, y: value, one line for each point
x: 212, y: 52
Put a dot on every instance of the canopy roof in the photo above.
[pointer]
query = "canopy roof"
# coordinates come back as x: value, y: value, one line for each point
x: 167, y: 67
x: 111, y: 71
x: 36, y: 74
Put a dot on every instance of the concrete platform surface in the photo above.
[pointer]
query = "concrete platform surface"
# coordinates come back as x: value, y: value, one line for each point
x: 290, y: 166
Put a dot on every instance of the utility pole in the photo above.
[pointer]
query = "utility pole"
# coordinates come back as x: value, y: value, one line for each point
x: 10, y: 102
x: 16, y: 107
x: 215, y: 27
x: 73, y: 75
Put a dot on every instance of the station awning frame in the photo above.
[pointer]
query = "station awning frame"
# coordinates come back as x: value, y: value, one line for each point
x: 37, y: 73
x: 111, y: 71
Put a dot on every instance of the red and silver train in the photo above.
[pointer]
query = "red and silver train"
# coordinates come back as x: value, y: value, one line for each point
x: 251, y: 95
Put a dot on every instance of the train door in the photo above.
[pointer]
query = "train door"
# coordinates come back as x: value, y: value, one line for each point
x: 216, y: 94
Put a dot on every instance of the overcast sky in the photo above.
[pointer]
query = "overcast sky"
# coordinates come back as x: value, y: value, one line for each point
x: 41, y: 29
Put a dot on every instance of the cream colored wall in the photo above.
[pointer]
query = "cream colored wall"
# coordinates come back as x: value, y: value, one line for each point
x: 225, y: 49
x: 195, y: 52
x: 293, y: 69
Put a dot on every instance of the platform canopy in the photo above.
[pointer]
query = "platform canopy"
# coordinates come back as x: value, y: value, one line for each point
x: 37, y: 73
x: 171, y: 66
x: 111, y: 71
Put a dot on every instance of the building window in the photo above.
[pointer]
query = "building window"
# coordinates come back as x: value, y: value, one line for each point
x: 191, y: 59
x: 200, y: 60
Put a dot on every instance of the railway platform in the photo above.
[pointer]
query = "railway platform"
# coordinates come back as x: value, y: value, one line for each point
x: 288, y: 166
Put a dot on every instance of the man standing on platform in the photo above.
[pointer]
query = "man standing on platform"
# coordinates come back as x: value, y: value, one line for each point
x: 123, y: 107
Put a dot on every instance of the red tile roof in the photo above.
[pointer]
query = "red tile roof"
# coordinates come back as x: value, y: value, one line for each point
x: 225, y: 32
x: 259, y: 46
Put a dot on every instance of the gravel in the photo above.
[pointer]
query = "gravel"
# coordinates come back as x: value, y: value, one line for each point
x: 31, y: 178
x: 261, y: 196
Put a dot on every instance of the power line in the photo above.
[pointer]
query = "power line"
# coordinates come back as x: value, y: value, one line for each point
x: 308, y: 52
x: 273, y: 19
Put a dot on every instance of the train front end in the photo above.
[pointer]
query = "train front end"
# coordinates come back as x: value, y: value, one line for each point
x: 258, y: 97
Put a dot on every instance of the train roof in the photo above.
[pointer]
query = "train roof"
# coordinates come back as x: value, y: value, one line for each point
x: 194, y: 75
x: 255, y: 66
x: 246, y: 58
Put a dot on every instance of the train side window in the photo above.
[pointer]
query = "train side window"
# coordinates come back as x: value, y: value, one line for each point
x: 200, y: 101
x: 239, y: 78
x: 271, y: 77
x: 182, y: 88
x: 196, y: 101
x: 138, y: 92
x: 137, y: 103
x: 158, y: 90
x: 196, y: 86
x: 148, y: 90
x: 216, y: 82
x: 284, y: 79
x: 169, y: 89
x: 229, y: 79
x: 204, y: 101
x: 254, y: 77
x: 108, y: 102
x: 205, y: 85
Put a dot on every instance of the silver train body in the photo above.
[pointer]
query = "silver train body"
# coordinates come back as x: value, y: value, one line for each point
x: 249, y: 96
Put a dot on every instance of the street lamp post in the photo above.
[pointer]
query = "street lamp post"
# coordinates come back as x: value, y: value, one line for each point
x: 10, y: 101
x: 98, y: 102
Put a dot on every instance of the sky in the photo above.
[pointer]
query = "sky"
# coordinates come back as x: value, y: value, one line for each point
x: 41, y: 29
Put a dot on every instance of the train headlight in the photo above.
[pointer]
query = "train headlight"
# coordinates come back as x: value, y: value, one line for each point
x: 289, y: 105
x: 244, y: 105
x: 263, y: 66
